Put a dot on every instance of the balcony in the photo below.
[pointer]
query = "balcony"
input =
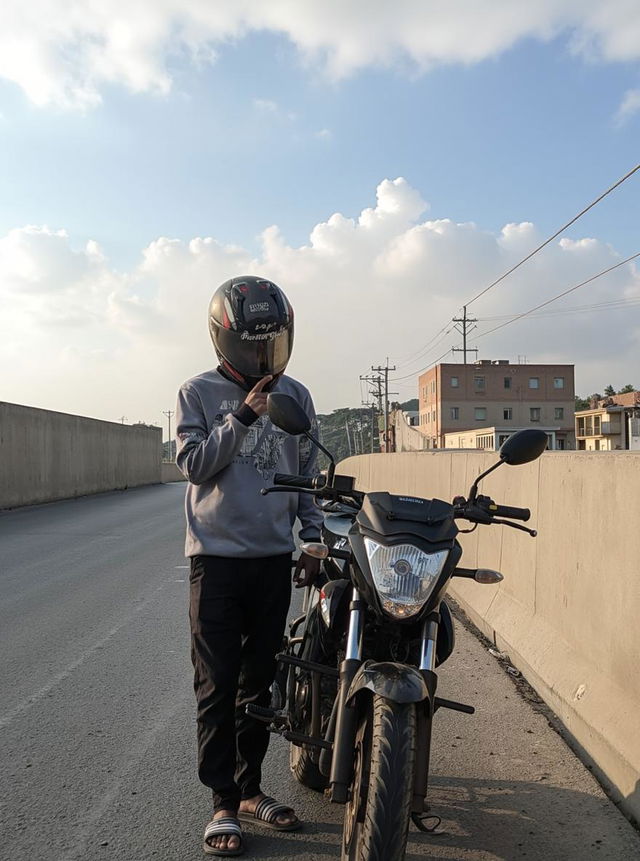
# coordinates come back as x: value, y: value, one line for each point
x: 592, y: 426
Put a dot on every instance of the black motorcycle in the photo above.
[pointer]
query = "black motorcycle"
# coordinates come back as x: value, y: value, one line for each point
x: 355, y: 692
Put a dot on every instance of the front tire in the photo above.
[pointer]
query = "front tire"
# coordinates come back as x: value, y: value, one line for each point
x: 378, y: 812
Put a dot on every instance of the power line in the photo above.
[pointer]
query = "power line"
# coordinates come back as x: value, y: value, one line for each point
x: 614, y: 305
x: 425, y: 347
x: 434, y: 346
x: 560, y: 295
x: 556, y: 234
x: 435, y: 362
x: 513, y: 269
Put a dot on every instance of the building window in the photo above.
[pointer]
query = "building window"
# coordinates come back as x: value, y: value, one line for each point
x: 433, y: 416
x: 534, y: 414
x: 478, y: 383
x: 597, y: 425
x: 558, y: 382
x: 433, y: 386
x: 455, y: 412
x: 480, y: 414
x: 559, y: 413
x: 507, y: 414
x: 455, y: 382
x: 503, y: 437
x: 507, y: 382
x: 534, y: 382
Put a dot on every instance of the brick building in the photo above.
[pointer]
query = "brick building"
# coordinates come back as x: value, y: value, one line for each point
x: 496, y: 394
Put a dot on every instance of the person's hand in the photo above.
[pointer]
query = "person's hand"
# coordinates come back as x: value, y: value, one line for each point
x: 307, y: 569
x: 257, y: 399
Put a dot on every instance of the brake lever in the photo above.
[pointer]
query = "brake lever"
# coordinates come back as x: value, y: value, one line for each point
x: 532, y: 532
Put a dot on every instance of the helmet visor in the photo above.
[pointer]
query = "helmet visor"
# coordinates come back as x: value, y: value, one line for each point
x: 256, y: 354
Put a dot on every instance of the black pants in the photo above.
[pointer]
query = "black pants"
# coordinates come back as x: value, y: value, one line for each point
x: 238, y: 611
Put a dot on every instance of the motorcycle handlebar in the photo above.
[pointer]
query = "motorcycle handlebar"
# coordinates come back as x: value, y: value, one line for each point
x: 309, y: 482
x: 509, y: 511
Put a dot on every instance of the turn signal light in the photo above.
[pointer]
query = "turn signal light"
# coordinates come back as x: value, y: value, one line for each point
x: 486, y: 575
x: 315, y: 549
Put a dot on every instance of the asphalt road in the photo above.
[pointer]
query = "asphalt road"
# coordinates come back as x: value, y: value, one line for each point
x: 97, y: 752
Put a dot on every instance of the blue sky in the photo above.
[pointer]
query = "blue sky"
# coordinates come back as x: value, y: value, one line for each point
x: 263, y: 136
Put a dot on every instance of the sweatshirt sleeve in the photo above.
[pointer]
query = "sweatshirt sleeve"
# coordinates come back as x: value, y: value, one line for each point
x: 201, y: 454
x: 309, y: 515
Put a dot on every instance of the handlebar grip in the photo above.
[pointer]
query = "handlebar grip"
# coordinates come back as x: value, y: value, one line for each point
x: 284, y: 480
x: 510, y: 511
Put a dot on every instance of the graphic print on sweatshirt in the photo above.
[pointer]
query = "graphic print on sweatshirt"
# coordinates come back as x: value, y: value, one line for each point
x: 262, y: 445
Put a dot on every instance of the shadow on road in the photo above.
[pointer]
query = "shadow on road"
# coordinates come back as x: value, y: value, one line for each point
x: 486, y: 820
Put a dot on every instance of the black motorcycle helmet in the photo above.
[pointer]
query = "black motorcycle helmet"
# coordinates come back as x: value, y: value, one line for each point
x: 251, y: 326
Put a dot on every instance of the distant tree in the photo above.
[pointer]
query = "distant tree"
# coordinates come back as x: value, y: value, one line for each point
x: 609, y: 391
x: 626, y: 389
x: 410, y: 406
x: 581, y: 403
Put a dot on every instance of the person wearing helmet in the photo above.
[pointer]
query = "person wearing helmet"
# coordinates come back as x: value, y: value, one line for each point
x: 240, y: 545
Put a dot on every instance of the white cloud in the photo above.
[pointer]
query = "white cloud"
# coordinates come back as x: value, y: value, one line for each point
x: 82, y: 337
x: 630, y: 105
x: 65, y: 51
x: 265, y: 106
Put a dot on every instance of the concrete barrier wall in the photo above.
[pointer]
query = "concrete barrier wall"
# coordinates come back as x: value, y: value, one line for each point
x: 170, y: 472
x: 568, y: 610
x: 46, y: 455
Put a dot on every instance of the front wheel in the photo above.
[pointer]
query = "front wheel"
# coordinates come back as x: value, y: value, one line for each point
x: 377, y: 814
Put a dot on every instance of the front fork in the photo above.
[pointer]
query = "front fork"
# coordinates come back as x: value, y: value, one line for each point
x: 425, y: 710
x: 344, y: 722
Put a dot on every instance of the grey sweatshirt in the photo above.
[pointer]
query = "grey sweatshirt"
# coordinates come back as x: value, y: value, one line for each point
x: 227, y: 463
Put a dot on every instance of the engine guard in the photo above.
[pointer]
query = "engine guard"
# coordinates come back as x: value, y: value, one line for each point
x: 392, y: 681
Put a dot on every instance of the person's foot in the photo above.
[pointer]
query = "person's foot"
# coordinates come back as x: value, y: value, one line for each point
x: 224, y: 841
x: 248, y: 805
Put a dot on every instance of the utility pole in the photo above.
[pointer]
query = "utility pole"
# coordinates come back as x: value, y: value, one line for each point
x: 346, y: 425
x: 465, y: 328
x: 385, y: 371
x: 168, y: 414
x: 123, y: 419
x: 376, y: 392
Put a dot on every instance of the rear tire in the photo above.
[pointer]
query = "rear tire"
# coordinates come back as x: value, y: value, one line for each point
x: 379, y: 810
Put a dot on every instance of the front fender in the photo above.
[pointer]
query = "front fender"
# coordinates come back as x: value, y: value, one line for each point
x: 396, y: 682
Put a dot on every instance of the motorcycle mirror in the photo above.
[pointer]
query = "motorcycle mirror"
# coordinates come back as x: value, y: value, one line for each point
x: 287, y: 414
x: 523, y: 446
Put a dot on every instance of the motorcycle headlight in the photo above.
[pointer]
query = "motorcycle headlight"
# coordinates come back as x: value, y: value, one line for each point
x: 404, y: 575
